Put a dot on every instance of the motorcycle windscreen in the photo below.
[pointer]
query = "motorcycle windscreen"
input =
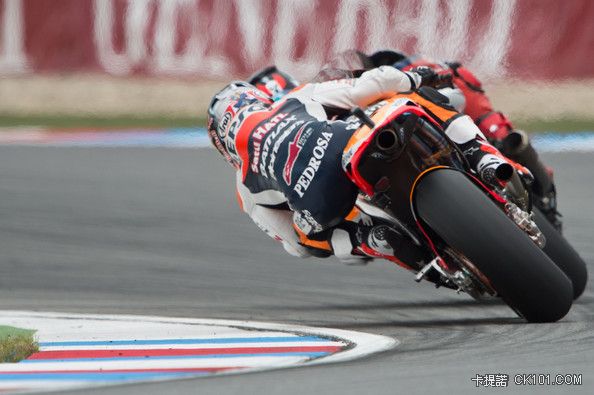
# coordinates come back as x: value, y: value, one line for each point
x: 345, y: 65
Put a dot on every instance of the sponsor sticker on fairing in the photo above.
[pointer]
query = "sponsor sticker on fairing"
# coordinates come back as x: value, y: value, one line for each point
x: 397, y: 103
x: 374, y: 107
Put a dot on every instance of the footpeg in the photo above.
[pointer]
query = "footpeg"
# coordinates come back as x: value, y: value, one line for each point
x: 434, y: 264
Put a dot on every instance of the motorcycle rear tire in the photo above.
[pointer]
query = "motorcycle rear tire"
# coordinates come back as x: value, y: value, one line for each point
x: 470, y: 222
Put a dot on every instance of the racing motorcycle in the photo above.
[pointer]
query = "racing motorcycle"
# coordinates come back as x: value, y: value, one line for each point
x: 483, y: 240
x: 477, y: 239
x: 347, y: 64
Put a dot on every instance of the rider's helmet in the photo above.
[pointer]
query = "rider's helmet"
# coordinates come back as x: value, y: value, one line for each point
x: 391, y: 58
x: 224, y: 107
x: 273, y: 82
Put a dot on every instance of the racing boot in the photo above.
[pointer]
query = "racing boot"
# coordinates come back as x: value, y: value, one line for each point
x: 517, y: 147
x: 491, y: 166
x: 384, y: 241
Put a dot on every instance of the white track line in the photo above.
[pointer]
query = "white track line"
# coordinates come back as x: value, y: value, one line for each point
x: 189, y: 346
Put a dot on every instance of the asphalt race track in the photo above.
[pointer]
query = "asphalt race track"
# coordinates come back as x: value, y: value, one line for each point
x: 158, y: 232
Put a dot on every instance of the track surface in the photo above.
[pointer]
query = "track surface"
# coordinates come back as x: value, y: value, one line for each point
x: 157, y: 231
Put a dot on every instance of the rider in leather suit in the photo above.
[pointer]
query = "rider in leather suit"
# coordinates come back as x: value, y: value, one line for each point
x: 288, y: 157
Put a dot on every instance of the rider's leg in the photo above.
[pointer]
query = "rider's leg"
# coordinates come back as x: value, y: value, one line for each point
x: 485, y: 159
x: 360, y: 237
x: 492, y: 167
x: 378, y: 238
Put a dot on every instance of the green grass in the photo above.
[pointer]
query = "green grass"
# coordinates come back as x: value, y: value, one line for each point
x: 130, y: 121
x: 556, y: 125
x: 16, y: 344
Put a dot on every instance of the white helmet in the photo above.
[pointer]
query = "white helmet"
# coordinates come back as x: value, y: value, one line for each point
x: 223, y: 107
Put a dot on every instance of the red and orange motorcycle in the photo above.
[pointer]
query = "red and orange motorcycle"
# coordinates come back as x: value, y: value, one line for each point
x: 477, y: 239
x: 482, y: 240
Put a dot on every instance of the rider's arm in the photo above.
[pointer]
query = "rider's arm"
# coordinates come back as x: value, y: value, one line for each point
x: 461, y: 130
x: 371, y: 86
x: 276, y: 223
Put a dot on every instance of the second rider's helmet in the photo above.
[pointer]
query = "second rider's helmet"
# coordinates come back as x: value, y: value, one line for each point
x: 273, y: 82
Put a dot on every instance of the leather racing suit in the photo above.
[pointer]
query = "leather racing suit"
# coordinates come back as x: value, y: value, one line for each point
x: 290, y: 180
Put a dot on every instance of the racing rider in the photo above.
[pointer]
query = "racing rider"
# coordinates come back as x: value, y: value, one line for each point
x: 288, y: 155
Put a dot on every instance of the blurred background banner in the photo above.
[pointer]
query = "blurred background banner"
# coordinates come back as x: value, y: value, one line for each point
x: 217, y: 39
x: 72, y: 63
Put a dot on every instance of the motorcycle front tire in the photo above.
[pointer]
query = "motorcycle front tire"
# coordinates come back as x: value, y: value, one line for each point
x: 563, y: 254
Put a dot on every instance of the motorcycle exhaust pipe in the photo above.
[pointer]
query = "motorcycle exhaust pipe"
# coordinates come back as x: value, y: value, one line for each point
x: 387, y: 141
x: 518, y: 148
x: 504, y: 172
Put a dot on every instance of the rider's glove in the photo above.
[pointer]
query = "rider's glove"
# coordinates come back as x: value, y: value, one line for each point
x: 422, y: 76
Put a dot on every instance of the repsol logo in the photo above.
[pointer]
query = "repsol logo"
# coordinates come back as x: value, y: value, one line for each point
x: 313, y: 166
